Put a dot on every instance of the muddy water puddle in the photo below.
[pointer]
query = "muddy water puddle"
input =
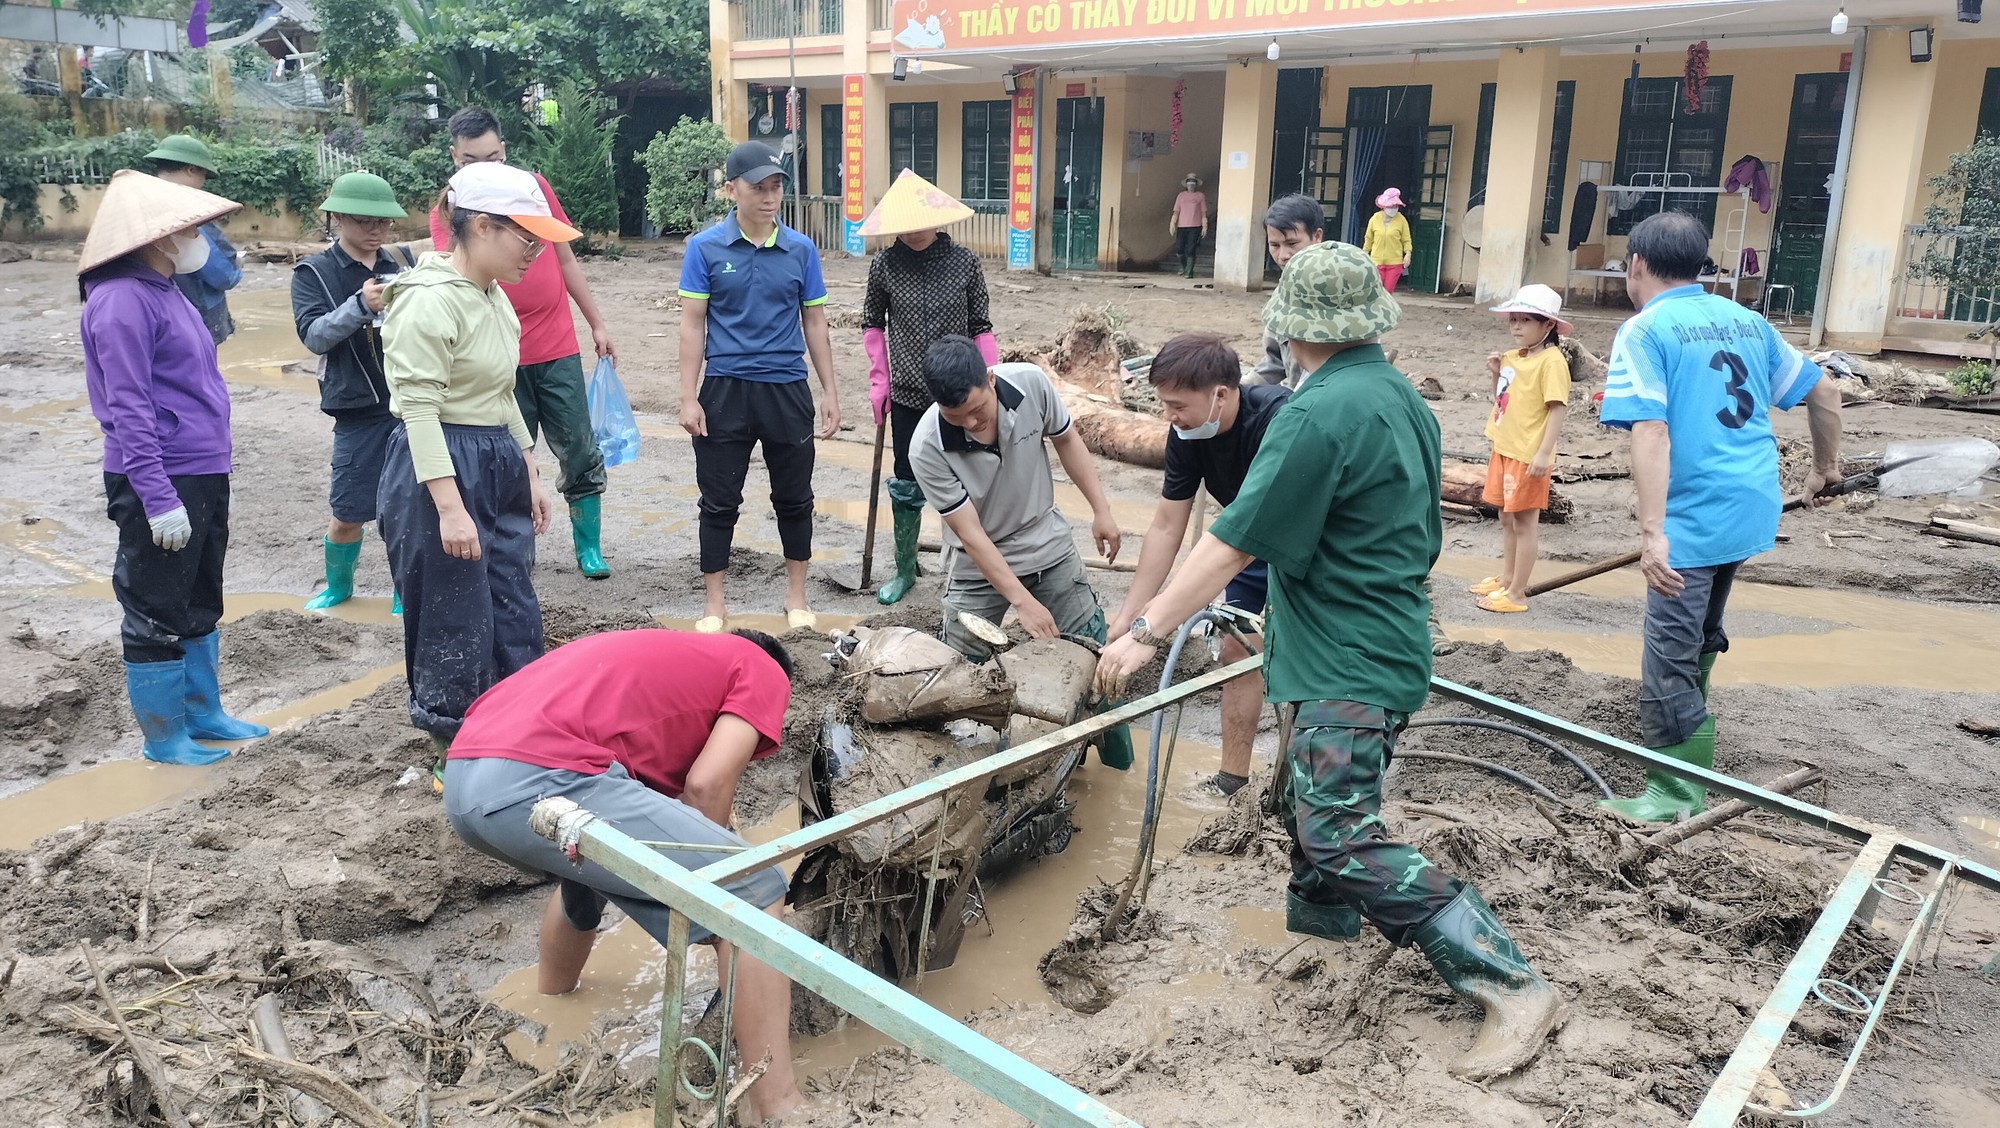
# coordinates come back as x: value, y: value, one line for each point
x: 1026, y: 915
x: 1871, y: 640
x: 123, y: 787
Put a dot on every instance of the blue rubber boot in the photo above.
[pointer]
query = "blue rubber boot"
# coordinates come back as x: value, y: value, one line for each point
x: 340, y: 561
x: 157, y: 691
x: 205, y: 717
x: 395, y: 603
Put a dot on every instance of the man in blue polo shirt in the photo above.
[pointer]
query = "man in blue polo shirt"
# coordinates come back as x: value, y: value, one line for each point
x: 1694, y: 377
x: 753, y: 304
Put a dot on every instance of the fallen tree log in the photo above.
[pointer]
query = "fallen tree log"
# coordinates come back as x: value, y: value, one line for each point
x: 1109, y: 430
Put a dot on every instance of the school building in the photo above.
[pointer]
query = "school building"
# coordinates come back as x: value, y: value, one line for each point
x: 1526, y: 135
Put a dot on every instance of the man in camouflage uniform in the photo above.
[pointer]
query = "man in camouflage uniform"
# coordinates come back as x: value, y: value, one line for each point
x: 1342, y: 502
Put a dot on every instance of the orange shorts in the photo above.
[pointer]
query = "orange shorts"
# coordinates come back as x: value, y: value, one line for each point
x: 1511, y: 489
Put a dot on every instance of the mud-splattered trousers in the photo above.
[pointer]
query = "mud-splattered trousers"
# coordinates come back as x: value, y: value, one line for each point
x: 1341, y: 850
x: 466, y: 623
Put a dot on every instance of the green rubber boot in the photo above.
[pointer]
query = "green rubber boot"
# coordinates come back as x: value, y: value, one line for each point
x: 586, y: 517
x: 1470, y: 948
x: 906, y: 509
x: 1706, y: 666
x: 1668, y: 797
x: 340, y: 561
x: 1329, y: 922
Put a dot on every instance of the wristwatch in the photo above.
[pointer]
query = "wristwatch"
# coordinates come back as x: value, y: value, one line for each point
x: 1142, y: 632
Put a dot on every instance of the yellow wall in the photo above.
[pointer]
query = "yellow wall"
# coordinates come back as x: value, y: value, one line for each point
x: 1962, y: 65
x: 245, y: 226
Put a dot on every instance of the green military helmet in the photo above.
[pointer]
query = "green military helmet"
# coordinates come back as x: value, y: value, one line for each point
x: 1330, y: 294
x: 365, y: 194
x: 184, y: 149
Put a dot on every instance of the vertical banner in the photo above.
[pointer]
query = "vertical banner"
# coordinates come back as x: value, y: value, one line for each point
x: 852, y: 161
x: 1021, y: 179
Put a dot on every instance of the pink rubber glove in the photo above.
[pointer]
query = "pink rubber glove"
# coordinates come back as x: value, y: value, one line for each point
x: 988, y: 348
x: 877, y: 347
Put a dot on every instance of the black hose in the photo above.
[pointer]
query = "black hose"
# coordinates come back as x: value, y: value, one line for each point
x: 1528, y: 735
x: 1506, y: 773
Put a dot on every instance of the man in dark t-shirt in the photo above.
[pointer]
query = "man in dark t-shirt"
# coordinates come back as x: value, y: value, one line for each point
x: 1218, y: 424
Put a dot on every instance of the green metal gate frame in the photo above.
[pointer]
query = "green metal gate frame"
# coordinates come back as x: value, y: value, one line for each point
x: 699, y: 896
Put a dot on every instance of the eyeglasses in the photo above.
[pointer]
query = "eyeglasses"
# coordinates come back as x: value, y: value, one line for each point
x: 534, y: 247
x: 368, y: 223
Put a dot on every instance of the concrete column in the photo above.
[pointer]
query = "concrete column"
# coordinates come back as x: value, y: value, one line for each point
x: 69, y: 75
x: 1118, y: 116
x: 1884, y: 182
x: 876, y: 176
x: 1517, y: 167
x: 1249, y: 109
x: 728, y: 98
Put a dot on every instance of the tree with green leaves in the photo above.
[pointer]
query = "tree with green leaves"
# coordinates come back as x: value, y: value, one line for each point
x: 574, y: 152
x: 681, y: 168
x: 1965, y: 204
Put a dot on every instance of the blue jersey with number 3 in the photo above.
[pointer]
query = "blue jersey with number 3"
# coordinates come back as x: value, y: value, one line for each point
x: 1711, y: 370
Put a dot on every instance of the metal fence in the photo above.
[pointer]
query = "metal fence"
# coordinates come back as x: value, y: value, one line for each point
x: 817, y: 218
x: 820, y: 219
x: 781, y: 19
x: 1966, y: 251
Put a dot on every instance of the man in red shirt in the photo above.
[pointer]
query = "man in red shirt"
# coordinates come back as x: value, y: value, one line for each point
x: 549, y: 383
x: 650, y: 730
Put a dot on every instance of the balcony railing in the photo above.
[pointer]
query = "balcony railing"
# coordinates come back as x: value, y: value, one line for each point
x: 780, y: 19
x: 819, y: 218
x: 1965, y: 250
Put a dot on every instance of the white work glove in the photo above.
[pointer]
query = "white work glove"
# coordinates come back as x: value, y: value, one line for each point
x: 171, y: 529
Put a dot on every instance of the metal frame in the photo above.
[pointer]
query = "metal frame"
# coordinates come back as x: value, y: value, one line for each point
x: 699, y: 897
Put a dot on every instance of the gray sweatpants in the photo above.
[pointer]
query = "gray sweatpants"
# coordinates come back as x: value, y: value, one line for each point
x: 1062, y: 587
x: 487, y: 801
x: 1678, y: 632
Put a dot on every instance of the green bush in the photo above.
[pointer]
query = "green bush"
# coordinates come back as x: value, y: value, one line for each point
x: 20, y: 187
x: 575, y: 155
x: 1973, y: 378
x: 681, y: 168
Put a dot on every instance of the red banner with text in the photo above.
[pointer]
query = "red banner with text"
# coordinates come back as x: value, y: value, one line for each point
x: 1021, y: 179
x: 931, y: 27
x: 853, y: 160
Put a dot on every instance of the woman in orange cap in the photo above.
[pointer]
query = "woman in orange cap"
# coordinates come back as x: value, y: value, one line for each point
x: 921, y: 287
x: 461, y: 498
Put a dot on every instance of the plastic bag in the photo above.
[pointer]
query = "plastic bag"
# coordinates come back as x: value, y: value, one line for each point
x: 611, y: 419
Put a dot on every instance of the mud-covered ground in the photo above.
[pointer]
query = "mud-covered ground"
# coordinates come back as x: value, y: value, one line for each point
x: 315, y: 864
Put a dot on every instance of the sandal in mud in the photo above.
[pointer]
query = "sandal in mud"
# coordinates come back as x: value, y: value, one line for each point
x: 800, y: 619
x: 708, y: 624
x: 1502, y: 603
x: 1487, y: 586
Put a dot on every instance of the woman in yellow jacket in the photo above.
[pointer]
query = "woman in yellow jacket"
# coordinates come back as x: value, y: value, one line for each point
x: 1387, y: 240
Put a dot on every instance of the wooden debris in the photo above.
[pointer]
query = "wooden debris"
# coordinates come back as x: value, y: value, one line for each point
x: 329, y: 1089
x: 1981, y: 726
x: 1963, y: 531
x: 1466, y: 485
x: 142, y: 1054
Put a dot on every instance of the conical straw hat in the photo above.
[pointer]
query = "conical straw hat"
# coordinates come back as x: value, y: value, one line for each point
x: 913, y: 204
x: 139, y: 209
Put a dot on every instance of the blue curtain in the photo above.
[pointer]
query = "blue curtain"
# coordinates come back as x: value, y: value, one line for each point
x: 1364, y: 156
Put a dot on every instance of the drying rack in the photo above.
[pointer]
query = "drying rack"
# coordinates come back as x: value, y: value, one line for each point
x: 1734, y: 229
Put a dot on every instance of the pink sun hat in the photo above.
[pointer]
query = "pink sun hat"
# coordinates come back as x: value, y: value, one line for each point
x: 1391, y: 198
x: 1541, y: 301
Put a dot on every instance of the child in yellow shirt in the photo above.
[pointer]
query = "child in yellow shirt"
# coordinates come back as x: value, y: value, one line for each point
x: 1387, y: 239
x: 1530, y: 398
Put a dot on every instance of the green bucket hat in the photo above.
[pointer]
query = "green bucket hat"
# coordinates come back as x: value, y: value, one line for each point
x: 363, y: 193
x: 1330, y: 294
x: 184, y: 149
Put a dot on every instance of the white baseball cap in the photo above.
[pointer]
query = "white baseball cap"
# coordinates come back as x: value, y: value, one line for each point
x: 499, y: 189
x: 1541, y: 301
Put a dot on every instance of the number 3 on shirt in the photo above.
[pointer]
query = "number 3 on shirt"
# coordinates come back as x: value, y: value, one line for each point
x: 1743, y: 403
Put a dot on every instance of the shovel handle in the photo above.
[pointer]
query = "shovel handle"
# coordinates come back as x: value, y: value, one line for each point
x: 1834, y: 489
x: 1584, y: 573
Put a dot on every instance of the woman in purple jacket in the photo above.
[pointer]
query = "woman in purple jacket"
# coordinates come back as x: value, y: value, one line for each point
x: 158, y: 395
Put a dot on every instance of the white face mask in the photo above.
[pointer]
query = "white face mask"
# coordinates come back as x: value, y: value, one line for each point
x: 190, y: 252
x: 1391, y: 212
x: 1207, y: 430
